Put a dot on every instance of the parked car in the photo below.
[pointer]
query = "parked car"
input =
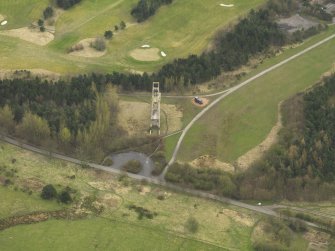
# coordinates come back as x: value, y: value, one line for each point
x: 198, y: 100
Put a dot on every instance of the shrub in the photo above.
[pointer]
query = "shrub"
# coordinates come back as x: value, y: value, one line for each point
x: 76, y: 47
x: 298, y: 226
x: 65, y: 197
x: 142, y: 212
x: 99, y: 44
x: 108, y: 34
x: 48, y: 12
x: 40, y: 22
x: 132, y: 166
x: 48, y: 192
x: 123, y: 25
x: 160, y: 163
x: 192, y: 225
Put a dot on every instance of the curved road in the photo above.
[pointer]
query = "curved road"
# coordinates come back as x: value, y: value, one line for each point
x: 232, y: 90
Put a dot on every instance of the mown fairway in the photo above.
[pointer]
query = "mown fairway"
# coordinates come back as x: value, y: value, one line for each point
x: 179, y: 29
x: 242, y: 120
x: 21, y: 13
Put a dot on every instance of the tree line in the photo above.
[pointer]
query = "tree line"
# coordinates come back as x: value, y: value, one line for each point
x: 147, y: 8
x: 66, y: 4
x: 77, y: 117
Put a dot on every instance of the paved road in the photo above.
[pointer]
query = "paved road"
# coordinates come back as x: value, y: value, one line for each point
x: 232, y: 90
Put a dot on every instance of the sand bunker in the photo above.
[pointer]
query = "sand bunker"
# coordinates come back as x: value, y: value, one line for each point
x: 227, y: 5
x: 87, y: 51
x: 4, y: 23
x: 163, y: 54
x: 145, y: 46
x: 30, y: 34
x: 147, y: 55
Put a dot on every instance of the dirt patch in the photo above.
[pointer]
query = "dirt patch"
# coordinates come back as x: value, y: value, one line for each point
x: 33, y: 184
x: 209, y: 161
x: 318, y: 241
x: 87, y: 51
x: 109, y: 200
x: 146, y: 54
x: 32, y: 35
x: 239, y: 217
x: 134, y: 117
x: 99, y: 185
x: 205, y: 102
x: 174, y: 117
x: 144, y: 190
x: 244, y: 162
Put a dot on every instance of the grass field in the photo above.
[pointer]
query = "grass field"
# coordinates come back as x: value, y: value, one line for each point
x: 94, y: 234
x: 21, y: 13
x: 220, y: 225
x: 179, y: 29
x: 20, y: 203
x: 242, y: 120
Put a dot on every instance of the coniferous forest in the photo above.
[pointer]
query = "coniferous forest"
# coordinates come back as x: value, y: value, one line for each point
x: 301, y: 165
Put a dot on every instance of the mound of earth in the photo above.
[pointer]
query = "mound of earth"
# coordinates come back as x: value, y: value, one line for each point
x: 87, y: 51
x: 32, y: 35
x: 146, y: 54
x: 208, y: 161
x: 204, y: 100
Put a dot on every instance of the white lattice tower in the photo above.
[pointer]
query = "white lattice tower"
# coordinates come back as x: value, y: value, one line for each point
x: 155, y: 107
